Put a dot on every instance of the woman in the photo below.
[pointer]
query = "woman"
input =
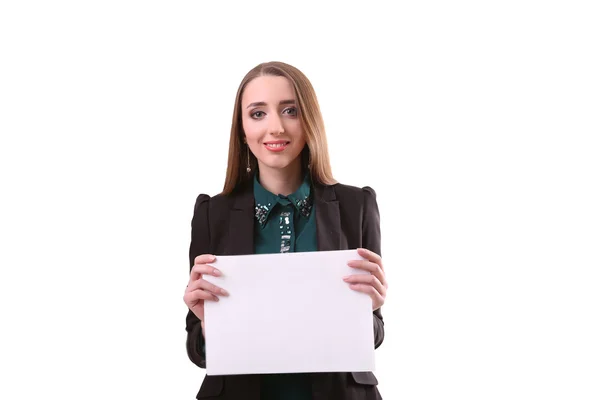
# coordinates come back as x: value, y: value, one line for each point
x: 279, y: 173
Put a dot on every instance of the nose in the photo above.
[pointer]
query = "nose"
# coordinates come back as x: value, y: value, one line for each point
x: 275, y: 126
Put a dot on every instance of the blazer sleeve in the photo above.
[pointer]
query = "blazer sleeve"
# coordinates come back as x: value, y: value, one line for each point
x: 200, y: 244
x: 371, y: 239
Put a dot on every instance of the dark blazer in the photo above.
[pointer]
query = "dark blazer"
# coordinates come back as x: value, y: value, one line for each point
x: 347, y: 218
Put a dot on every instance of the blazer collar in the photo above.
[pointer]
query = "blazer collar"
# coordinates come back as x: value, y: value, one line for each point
x: 328, y: 218
x: 241, y: 222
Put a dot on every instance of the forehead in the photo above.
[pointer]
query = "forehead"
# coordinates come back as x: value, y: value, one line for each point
x: 270, y: 89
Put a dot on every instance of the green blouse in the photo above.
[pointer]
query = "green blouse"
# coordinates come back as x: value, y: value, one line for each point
x: 284, y: 224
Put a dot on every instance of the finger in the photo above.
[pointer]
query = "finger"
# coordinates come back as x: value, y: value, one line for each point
x: 207, y: 286
x: 204, y: 259
x: 367, y: 280
x: 376, y: 298
x: 371, y: 267
x: 201, y: 269
x: 364, y: 265
x: 371, y: 256
x: 191, y: 298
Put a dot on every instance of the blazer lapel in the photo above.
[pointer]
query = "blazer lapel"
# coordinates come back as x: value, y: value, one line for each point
x: 328, y: 219
x: 241, y: 223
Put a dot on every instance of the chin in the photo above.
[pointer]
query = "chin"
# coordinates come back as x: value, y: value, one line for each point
x: 279, y: 164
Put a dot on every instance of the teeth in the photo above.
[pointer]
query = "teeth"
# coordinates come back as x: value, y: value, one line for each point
x: 276, y: 145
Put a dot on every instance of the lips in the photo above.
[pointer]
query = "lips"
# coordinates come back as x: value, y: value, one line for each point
x: 276, y: 145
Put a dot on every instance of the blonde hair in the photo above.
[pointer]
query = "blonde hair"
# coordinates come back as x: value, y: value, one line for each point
x: 315, y: 156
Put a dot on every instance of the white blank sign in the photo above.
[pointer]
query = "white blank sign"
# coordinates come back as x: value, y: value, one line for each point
x: 288, y: 313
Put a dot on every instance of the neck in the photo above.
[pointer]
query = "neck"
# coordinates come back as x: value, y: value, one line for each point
x: 283, y: 181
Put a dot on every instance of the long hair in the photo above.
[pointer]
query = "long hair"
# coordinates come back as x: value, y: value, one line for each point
x: 315, y: 156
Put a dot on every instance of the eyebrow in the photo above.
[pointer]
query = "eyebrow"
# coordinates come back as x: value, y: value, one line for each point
x: 262, y: 103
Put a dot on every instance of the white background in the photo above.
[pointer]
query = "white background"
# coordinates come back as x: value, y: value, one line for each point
x: 476, y: 122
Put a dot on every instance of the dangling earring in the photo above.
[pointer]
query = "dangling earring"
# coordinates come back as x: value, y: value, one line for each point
x: 309, y: 161
x: 248, y: 169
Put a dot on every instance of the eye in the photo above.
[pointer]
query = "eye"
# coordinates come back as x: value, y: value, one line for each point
x: 257, y: 114
x: 291, y: 111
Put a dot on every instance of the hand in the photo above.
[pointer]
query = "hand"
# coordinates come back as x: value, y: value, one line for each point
x: 375, y: 284
x: 198, y: 290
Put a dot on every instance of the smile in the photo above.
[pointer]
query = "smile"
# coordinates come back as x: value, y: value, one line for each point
x: 276, y: 146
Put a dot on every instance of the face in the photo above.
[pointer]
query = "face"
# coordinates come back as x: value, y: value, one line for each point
x: 271, y: 122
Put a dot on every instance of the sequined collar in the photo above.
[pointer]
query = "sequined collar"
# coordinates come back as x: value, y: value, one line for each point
x: 265, y: 201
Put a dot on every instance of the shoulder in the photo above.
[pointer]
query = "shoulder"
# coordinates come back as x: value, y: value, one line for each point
x: 358, y: 207
x: 349, y: 191
x: 222, y: 201
x: 205, y: 200
x: 214, y: 208
x: 351, y: 198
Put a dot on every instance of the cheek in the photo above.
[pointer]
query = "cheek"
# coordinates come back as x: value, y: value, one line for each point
x: 251, y: 131
x: 294, y: 129
x: 301, y: 139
